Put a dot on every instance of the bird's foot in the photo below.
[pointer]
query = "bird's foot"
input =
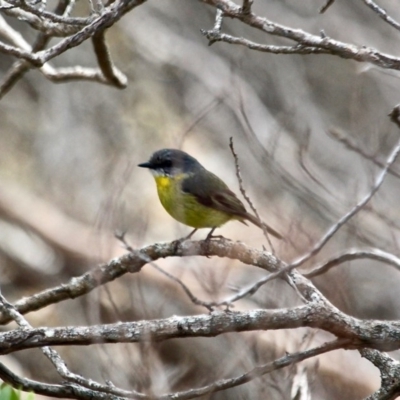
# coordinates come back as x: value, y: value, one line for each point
x: 178, y: 242
x: 215, y: 237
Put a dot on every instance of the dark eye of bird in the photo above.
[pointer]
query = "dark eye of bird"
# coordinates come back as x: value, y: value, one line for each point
x: 167, y: 164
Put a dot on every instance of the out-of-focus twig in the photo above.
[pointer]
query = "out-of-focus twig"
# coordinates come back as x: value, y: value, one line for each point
x: 359, y: 206
x: 326, y: 6
x: 107, y: 67
x: 244, y: 194
x: 246, y: 6
x: 351, y: 255
x: 382, y: 14
x: 192, y: 297
x: 59, y: 364
x: 354, y: 147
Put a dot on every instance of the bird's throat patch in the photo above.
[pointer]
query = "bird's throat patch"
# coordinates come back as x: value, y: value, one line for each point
x: 163, y: 181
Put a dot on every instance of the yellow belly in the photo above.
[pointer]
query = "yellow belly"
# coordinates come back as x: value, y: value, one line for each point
x: 185, y: 208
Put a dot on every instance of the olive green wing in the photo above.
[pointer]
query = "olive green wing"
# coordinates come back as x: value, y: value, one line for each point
x: 211, y: 191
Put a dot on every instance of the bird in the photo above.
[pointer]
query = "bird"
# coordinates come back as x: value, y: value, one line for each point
x: 195, y: 196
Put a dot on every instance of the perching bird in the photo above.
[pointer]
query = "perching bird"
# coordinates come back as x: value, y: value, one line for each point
x: 194, y: 196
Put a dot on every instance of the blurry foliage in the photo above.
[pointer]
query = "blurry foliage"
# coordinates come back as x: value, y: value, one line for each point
x: 8, y: 393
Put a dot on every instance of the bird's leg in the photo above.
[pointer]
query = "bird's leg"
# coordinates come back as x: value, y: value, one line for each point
x: 210, y: 235
x: 178, y: 242
x: 190, y: 234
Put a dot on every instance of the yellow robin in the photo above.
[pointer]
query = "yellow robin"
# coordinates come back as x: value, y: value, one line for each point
x: 194, y: 196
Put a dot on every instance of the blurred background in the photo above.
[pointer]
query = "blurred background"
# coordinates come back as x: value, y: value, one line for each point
x: 69, y: 179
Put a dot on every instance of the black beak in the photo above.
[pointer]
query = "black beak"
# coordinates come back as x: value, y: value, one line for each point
x: 145, y: 165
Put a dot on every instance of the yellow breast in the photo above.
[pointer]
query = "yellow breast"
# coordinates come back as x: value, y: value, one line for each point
x: 184, y: 207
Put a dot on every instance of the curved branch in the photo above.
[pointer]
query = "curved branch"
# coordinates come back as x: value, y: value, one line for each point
x: 359, y: 206
x: 133, y: 262
x: 390, y: 374
x: 371, y: 254
x: 110, y: 72
x: 70, y: 391
x: 332, y: 46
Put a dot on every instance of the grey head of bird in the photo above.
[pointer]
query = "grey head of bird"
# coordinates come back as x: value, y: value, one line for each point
x: 171, y: 162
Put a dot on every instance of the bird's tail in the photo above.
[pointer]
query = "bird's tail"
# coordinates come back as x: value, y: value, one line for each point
x: 263, y: 226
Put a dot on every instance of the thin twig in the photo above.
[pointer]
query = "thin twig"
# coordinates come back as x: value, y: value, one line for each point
x: 303, y: 148
x: 46, y: 389
x: 286, y: 360
x: 19, y: 68
x: 110, y: 72
x: 244, y: 194
x: 57, y: 361
x: 246, y: 6
x: 382, y: 14
x: 354, y: 147
x: 51, y: 16
x: 345, y: 218
x: 351, y: 255
x: 216, y: 36
x: 69, y: 8
x: 77, y: 21
x: 213, y: 104
x: 192, y: 297
x: 222, y: 384
x: 302, y: 38
x: 326, y: 6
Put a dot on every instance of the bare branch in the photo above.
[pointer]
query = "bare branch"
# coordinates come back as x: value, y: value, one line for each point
x: 351, y: 255
x: 303, y: 149
x: 21, y: 67
x: 12, y: 35
x: 382, y: 14
x: 222, y: 384
x: 217, y: 27
x: 42, y: 14
x: 246, y: 7
x: 213, y: 104
x: 110, y: 72
x: 282, y: 362
x: 110, y: 15
x: 332, y: 46
x: 53, y: 356
x: 354, y: 147
x: 133, y: 262
x: 247, y: 198
x: 43, y: 25
x: 77, y: 73
x: 326, y: 6
x: 28, y: 385
x: 114, y: 77
x: 192, y: 297
x: 345, y: 218
x: 390, y: 374
x: 69, y: 8
x: 188, y: 292
x: 376, y: 334
x: 16, y: 52
x: 214, y: 36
